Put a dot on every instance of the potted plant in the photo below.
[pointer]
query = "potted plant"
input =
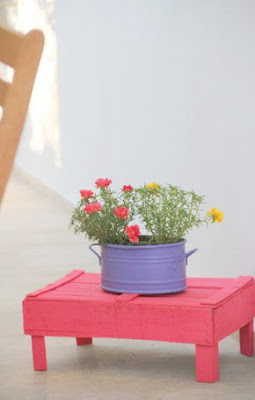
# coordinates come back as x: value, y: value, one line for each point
x: 142, y: 233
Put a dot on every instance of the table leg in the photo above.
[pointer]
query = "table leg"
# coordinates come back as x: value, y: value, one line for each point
x: 80, y: 341
x: 247, y: 340
x: 39, y: 353
x: 207, y: 363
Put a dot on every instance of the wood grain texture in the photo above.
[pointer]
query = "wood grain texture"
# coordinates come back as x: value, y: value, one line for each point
x: 119, y: 320
x: 76, y: 306
x: 52, y: 286
x: 23, y: 53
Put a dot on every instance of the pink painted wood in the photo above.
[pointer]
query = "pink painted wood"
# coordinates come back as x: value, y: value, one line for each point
x: 246, y: 340
x: 39, y: 353
x: 207, y: 363
x: 80, y: 341
x: 208, y: 311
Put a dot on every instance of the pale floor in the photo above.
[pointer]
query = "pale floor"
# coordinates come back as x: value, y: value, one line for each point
x: 36, y: 248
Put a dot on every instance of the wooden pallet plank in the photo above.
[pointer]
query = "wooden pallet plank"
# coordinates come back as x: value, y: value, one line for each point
x: 189, y: 293
x: 234, y: 313
x: 69, y: 277
x: 120, y: 319
x: 227, y: 292
x: 210, y: 282
x: 89, y: 278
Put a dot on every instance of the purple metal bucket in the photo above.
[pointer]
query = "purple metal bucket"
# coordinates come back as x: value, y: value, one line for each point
x: 154, y: 269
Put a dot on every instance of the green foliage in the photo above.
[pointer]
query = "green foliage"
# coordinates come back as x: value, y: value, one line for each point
x: 168, y: 213
x: 165, y: 214
x: 104, y: 226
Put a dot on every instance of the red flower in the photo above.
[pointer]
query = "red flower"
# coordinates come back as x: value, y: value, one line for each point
x: 133, y: 232
x: 92, y: 208
x: 86, y: 194
x: 102, y: 183
x: 127, y: 188
x: 121, y: 212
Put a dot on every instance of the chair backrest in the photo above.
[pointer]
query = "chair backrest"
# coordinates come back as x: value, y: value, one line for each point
x: 22, y: 53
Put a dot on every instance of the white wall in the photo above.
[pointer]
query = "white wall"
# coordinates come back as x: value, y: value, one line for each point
x: 160, y: 90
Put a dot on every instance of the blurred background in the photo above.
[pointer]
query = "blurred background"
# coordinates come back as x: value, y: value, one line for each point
x: 136, y: 91
x: 142, y: 91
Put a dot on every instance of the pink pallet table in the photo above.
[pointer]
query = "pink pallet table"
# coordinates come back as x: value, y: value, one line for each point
x: 207, y: 312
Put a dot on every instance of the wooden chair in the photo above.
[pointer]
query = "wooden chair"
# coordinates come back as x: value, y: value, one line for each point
x: 22, y: 53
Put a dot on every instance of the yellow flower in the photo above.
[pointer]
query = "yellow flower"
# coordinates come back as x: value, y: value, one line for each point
x: 216, y: 214
x: 153, y: 185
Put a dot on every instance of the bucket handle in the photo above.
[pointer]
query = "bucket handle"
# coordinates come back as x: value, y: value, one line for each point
x: 186, y: 255
x: 94, y: 251
x: 189, y: 253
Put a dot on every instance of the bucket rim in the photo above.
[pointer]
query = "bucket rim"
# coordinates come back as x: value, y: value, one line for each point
x: 151, y: 246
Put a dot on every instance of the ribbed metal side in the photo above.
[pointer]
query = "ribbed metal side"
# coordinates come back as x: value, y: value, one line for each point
x: 153, y: 269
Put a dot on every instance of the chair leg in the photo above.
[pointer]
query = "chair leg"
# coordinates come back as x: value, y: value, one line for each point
x: 247, y: 340
x: 80, y: 341
x: 39, y: 353
x: 207, y: 363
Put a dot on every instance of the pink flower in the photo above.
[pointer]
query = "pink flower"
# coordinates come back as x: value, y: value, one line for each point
x: 127, y: 188
x: 86, y: 194
x: 121, y: 212
x: 92, y: 208
x: 102, y: 183
x: 133, y: 232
